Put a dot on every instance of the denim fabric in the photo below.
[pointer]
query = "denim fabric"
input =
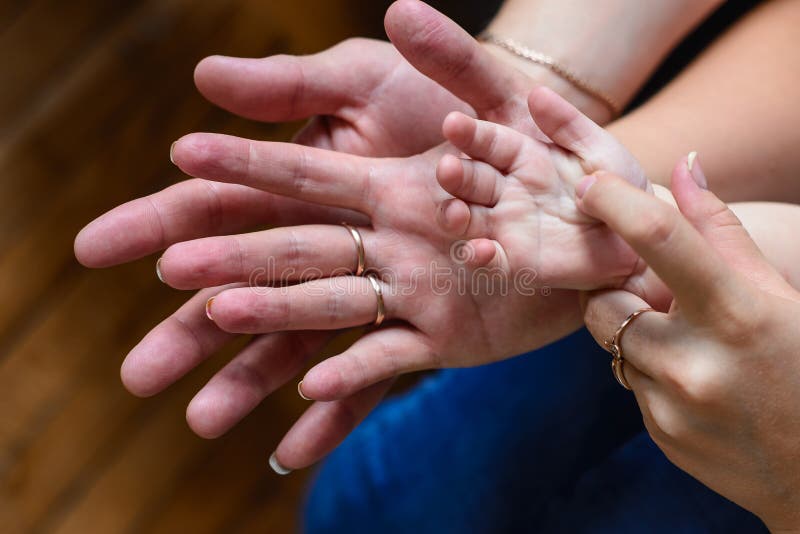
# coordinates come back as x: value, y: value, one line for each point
x: 545, y: 442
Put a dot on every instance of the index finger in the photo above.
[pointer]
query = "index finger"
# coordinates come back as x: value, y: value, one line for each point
x: 189, y: 210
x: 669, y: 244
x: 300, y: 172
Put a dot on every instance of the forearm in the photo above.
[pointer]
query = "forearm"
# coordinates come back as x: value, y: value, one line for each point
x: 736, y: 106
x: 773, y: 226
x: 614, y: 45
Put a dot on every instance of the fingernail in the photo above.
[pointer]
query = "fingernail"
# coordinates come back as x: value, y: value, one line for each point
x: 158, y: 271
x: 208, y: 307
x: 696, y: 171
x: 586, y: 183
x: 171, y: 152
x: 276, y: 466
x: 300, y: 391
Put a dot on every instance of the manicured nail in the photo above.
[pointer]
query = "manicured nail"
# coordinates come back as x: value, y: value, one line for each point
x: 300, y: 391
x: 158, y: 271
x: 171, y: 152
x: 276, y: 466
x: 586, y: 183
x: 208, y: 307
x: 696, y: 171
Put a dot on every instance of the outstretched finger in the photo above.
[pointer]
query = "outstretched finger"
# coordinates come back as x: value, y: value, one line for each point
x: 304, y: 173
x: 323, y: 427
x: 379, y: 355
x: 269, y: 257
x: 324, y: 304
x: 173, y: 348
x: 277, y: 88
x: 264, y: 365
x: 573, y: 131
x: 189, y: 210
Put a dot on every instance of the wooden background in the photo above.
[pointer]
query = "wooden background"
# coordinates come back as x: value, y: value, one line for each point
x: 92, y: 93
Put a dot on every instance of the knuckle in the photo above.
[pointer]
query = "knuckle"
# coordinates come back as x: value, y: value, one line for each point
x: 333, y: 309
x: 257, y: 313
x: 390, y: 358
x: 293, y: 253
x: 656, y: 228
x: 666, y: 422
x: 698, y: 381
x: 735, y: 325
x: 300, y: 181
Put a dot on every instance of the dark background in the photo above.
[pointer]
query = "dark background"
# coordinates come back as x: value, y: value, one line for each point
x: 92, y: 93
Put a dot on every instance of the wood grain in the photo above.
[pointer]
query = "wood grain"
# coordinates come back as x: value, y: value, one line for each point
x: 92, y: 93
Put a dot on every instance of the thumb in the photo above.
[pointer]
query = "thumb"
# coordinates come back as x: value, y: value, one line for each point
x: 573, y: 131
x: 719, y: 226
x: 279, y: 88
x: 440, y: 49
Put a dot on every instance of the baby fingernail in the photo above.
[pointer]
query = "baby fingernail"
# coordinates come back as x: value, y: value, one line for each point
x: 696, y: 171
x: 208, y: 307
x: 276, y: 466
x: 158, y: 271
x: 586, y: 183
x: 171, y: 152
x: 300, y: 391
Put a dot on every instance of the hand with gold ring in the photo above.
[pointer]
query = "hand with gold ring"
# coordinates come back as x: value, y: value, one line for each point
x: 438, y: 307
x: 346, y: 113
x: 715, y: 374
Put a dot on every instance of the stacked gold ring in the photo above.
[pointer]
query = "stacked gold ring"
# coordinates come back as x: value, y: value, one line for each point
x: 381, y: 314
x: 361, y: 266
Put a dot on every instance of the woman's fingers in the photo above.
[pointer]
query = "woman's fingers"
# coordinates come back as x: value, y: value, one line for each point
x: 698, y: 277
x: 173, y: 348
x: 605, y: 311
x: 264, y: 365
x: 279, y: 255
x: 324, y: 304
x: 377, y: 356
x: 323, y: 427
x: 720, y: 227
x: 304, y: 173
x: 189, y: 210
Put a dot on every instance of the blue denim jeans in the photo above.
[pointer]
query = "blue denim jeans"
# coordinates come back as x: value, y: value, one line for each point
x: 545, y: 442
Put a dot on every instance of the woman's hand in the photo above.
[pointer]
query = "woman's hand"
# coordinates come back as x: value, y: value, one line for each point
x: 717, y: 377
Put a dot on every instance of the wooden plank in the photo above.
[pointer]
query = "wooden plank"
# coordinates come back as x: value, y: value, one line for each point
x: 42, y: 41
x: 77, y: 453
x: 91, y: 411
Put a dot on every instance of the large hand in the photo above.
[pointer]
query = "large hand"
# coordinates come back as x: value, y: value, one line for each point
x: 364, y: 97
x: 716, y: 376
x: 446, y: 314
x: 198, y: 208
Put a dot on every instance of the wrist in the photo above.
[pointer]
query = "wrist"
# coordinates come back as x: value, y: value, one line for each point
x: 538, y: 74
x: 613, y: 45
